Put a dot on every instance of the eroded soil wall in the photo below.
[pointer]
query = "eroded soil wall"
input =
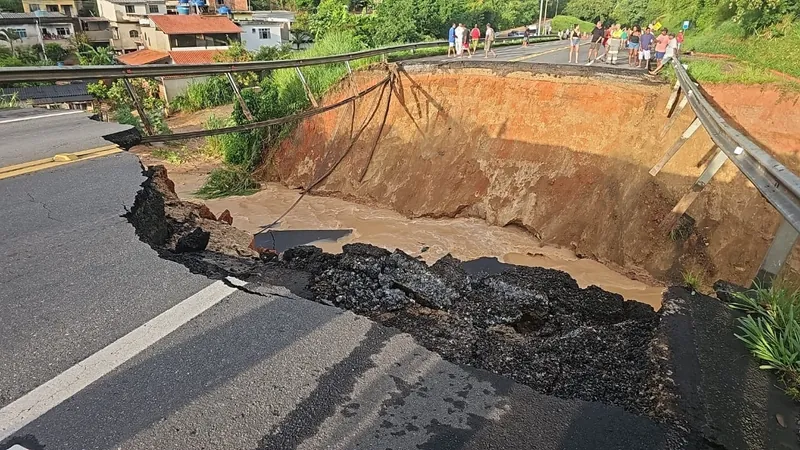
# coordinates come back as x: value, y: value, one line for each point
x: 565, y: 156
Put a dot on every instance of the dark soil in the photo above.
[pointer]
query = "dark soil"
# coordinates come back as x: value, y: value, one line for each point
x: 533, y: 325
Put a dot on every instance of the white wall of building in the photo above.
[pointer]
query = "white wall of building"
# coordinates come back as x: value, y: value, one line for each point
x: 258, y: 34
x: 59, y: 33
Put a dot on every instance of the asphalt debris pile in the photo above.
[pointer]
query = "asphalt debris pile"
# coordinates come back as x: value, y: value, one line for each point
x: 533, y: 325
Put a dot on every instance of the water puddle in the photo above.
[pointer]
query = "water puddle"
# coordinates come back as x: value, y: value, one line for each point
x: 466, y: 239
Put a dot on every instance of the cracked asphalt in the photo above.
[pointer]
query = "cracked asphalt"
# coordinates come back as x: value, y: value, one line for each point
x: 260, y: 369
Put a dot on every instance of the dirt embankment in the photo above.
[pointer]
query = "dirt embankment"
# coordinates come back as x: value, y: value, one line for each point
x: 565, y: 157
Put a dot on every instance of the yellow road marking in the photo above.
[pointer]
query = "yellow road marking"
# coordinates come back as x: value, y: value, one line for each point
x: 57, y: 160
x: 534, y: 55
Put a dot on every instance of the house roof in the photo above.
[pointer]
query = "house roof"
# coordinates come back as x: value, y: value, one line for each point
x: 194, y: 24
x: 193, y: 56
x: 40, y: 14
x: 140, y: 57
x: 57, y: 93
x: 275, y: 15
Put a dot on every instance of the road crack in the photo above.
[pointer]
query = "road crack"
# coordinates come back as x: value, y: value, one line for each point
x: 44, y: 206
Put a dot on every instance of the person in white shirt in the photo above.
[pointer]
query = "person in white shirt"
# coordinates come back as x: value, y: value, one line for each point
x: 488, y: 41
x: 460, y: 32
x: 669, y: 54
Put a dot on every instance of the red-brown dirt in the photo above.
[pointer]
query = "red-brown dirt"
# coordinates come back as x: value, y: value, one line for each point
x: 565, y: 156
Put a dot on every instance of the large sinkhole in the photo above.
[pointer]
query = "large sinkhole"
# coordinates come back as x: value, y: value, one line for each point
x: 563, y: 158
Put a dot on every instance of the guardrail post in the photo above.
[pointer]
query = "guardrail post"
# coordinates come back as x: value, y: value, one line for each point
x: 676, y: 146
x: 239, y: 97
x: 683, y: 205
x: 672, y: 97
x: 674, y: 116
x: 350, y: 77
x: 145, y: 121
x: 309, y: 94
x: 778, y: 252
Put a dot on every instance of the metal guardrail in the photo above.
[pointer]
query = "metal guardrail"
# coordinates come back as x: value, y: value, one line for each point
x: 779, y: 186
x: 54, y: 73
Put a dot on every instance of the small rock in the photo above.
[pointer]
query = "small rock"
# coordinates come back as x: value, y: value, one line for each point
x: 779, y: 418
x: 205, y: 213
x: 195, y: 241
x: 226, y: 217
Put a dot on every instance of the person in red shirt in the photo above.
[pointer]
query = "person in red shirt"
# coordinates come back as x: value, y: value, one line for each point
x: 679, y: 38
x: 475, y: 35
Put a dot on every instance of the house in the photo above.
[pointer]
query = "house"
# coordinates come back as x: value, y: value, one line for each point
x: 70, y: 8
x: 56, y: 96
x: 182, y: 39
x: 258, y: 33
x: 96, y: 29
x: 39, y: 28
x: 125, y: 18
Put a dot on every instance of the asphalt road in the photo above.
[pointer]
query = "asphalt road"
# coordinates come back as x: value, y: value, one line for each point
x: 554, y: 52
x: 31, y: 133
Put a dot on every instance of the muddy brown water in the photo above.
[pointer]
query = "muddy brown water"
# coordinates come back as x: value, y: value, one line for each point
x: 430, y: 239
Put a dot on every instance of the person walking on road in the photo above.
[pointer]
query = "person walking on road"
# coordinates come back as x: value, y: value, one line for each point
x: 645, y: 43
x: 575, y: 43
x: 488, y: 40
x: 595, y: 41
x: 460, y: 31
x: 679, y: 39
x: 475, y: 36
x: 661, y: 47
x: 451, y: 41
x: 525, y: 35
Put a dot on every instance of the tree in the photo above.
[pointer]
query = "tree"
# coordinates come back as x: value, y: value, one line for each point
x: 9, y: 36
x: 55, y: 52
x: 590, y: 10
x: 11, y: 6
x: 330, y: 15
x: 299, y: 37
x: 95, y: 56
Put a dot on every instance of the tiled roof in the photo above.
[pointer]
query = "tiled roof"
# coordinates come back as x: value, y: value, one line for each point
x: 5, y: 15
x: 140, y: 57
x: 194, y: 24
x: 193, y: 56
x: 56, y: 93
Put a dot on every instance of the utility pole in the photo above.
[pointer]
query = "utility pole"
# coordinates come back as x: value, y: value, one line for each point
x: 539, y: 27
x: 546, y: 3
x: 41, y: 40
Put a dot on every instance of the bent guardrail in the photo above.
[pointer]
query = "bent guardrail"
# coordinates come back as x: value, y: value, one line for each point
x: 779, y: 186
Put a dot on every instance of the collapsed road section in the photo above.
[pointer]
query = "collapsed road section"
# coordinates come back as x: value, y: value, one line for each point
x: 531, y: 325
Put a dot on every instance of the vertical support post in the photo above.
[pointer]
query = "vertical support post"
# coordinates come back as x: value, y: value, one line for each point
x: 776, y: 256
x: 683, y: 205
x: 675, y: 147
x: 145, y: 121
x: 309, y: 94
x: 350, y: 76
x: 672, y: 97
x: 239, y: 97
x: 674, y: 116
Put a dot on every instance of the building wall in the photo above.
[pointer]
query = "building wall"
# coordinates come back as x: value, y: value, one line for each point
x: 31, y: 34
x: 155, y: 39
x: 121, y: 36
x: 71, y: 10
x: 173, y: 87
x: 252, y: 38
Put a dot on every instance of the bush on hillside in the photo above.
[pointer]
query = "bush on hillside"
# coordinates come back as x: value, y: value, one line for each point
x: 211, y: 92
x: 561, y: 23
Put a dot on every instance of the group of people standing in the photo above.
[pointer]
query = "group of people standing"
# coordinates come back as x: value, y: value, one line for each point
x: 460, y: 40
x: 641, y: 45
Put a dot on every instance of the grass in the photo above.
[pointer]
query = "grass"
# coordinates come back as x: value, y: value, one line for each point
x: 214, y: 145
x: 777, y: 50
x: 214, y: 91
x: 168, y: 154
x: 226, y: 181
x: 561, y: 23
x: 771, y: 331
x: 692, y: 279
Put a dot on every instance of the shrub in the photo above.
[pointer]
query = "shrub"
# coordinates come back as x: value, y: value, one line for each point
x: 561, y: 23
x: 214, y: 145
x: 228, y: 180
x: 211, y: 92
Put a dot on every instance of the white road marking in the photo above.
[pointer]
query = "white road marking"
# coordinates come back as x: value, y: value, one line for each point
x: 18, y: 447
x: 42, y: 116
x: 37, y: 402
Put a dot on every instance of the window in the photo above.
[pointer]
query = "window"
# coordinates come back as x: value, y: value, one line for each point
x: 35, y: 7
x: 134, y: 34
x: 21, y: 32
x: 263, y: 33
x: 52, y: 8
x: 67, y: 10
x: 62, y: 31
x: 152, y: 9
x: 115, y: 33
x: 130, y: 9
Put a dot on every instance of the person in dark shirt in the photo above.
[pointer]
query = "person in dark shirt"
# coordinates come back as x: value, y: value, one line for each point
x: 645, y: 43
x: 596, y: 41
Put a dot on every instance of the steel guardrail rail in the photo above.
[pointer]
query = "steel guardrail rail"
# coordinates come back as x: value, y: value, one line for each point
x: 779, y: 186
x: 55, y: 73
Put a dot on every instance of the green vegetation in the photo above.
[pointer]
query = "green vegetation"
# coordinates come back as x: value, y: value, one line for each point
x: 10, y: 5
x: 228, y: 180
x: 168, y: 154
x: 9, y: 101
x: 214, y: 146
x: 771, y: 330
x: 122, y: 107
x: 561, y: 23
x: 209, y: 93
x: 692, y: 279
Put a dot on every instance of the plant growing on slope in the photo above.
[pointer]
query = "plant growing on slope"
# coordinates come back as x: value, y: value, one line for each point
x: 692, y: 279
x: 228, y: 180
x: 771, y: 331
